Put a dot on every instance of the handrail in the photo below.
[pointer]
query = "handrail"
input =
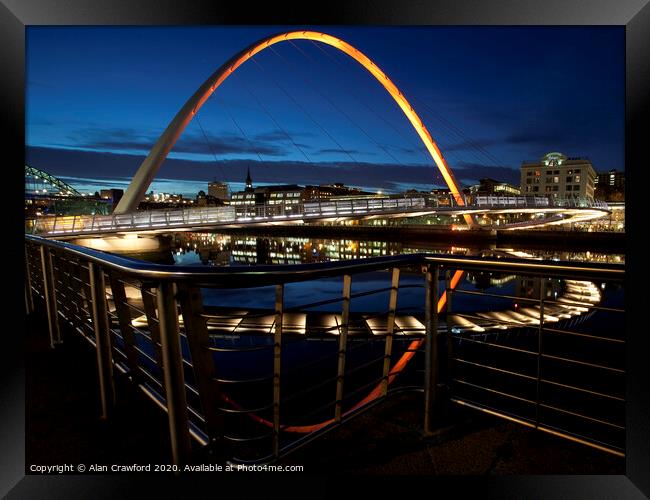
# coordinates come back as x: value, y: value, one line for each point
x: 224, y: 277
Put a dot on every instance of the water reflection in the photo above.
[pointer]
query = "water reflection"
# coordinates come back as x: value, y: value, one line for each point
x: 198, y: 248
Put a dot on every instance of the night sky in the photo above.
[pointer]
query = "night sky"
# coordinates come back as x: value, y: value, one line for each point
x: 98, y: 98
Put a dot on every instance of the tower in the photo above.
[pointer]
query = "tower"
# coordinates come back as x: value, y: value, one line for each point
x: 249, y: 182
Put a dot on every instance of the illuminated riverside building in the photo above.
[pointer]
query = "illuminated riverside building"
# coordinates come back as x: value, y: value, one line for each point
x: 328, y: 191
x: 610, y: 186
x: 286, y: 197
x: 489, y: 186
x: 558, y: 176
x: 218, y: 190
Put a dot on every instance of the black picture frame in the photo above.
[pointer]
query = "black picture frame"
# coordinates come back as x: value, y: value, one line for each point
x: 15, y: 15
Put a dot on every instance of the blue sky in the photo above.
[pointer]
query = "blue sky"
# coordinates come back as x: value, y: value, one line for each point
x: 492, y: 97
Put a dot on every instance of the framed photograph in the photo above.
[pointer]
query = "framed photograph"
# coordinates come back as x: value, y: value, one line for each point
x: 368, y: 242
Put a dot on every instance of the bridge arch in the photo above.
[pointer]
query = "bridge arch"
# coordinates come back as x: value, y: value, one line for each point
x: 151, y: 164
x: 64, y: 188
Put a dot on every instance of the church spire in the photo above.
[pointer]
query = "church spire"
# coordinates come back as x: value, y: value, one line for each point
x: 249, y: 181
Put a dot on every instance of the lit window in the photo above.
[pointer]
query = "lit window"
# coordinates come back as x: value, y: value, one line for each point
x: 577, y: 178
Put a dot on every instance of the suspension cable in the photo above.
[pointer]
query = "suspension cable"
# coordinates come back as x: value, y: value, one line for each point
x: 307, y: 114
x: 437, y: 175
x: 205, y: 136
x: 241, y: 131
x: 333, y: 104
x: 268, y: 113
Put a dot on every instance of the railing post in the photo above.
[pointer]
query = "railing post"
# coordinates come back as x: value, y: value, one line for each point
x: 431, y: 370
x: 390, y: 327
x: 29, y: 297
x: 277, y: 365
x: 49, y: 291
x: 174, y: 381
x: 343, y: 343
x: 540, y: 331
x: 198, y: 340
x: 448, y: 291
x: 102, y: 338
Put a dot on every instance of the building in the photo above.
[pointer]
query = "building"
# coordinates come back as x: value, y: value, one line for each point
x: 205, y: 200
x: 493, y: 187
x: 610, y: 186
x: 327, y: 191
x: 558, y: 176
x: 283, y: 197
x: 218, y: 190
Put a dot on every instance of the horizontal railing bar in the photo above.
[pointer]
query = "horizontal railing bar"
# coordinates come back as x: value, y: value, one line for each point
x: 243, y: 381
x: 245, y: 410
x: 579, y: 334
x: 247, y: 439
x: 579, y: 415
x: 582, y: 389
x: 456, y: 291
x: 244, y: 349
x: 501, y: 393
x: 585, y: 363
x: 544, y: 428
x: 500, y: 346
x: 579, y: 303
x: 494, y: 368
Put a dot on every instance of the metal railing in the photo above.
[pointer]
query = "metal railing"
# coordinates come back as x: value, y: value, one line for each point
x: 256, y: 383
x: 281, y: 213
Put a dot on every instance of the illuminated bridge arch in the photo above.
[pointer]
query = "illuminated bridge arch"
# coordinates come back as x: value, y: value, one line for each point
x: 39, y: 176
x: 151, y: 164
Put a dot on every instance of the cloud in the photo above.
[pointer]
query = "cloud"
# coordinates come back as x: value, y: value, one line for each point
x: 130, y: 140
x: 386, y: 176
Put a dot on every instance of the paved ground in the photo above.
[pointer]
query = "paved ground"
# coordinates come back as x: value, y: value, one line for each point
x: 63, y: 426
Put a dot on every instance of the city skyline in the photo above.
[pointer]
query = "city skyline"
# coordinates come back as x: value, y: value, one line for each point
x: 500, y: 96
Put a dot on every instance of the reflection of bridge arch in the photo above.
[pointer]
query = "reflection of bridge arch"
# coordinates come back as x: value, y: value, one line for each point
x: 40, y: 175
x: 150, y: 166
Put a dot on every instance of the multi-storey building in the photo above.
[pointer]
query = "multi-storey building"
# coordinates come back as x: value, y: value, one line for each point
x: 558, y: 176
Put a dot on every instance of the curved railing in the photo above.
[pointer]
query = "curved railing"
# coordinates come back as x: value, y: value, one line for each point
x: 254, y: 389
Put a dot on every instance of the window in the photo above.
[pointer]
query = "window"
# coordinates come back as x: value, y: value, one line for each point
x: 576, y: 179
x: 548, y: 172
x: 535, y: 189
x: 569, y: 179
x: 569, y: 187
x: 538, y: 173
x: 529, y: 181
x: 555, y: 172
x: 556, y: 180
x: 576, y: 171
x: 529, y: 173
